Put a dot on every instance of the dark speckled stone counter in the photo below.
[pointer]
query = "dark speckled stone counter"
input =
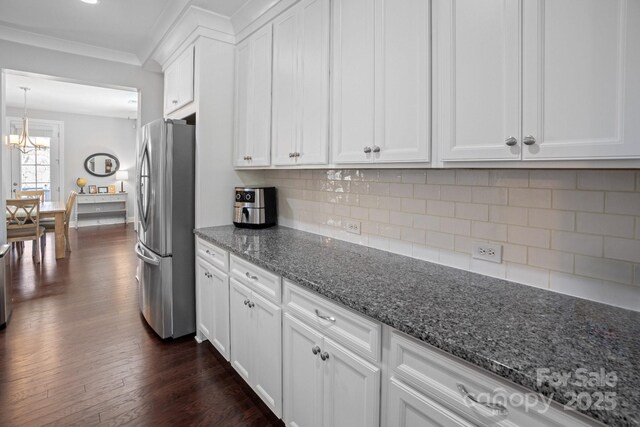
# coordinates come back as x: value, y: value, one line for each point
x: 504, y: 327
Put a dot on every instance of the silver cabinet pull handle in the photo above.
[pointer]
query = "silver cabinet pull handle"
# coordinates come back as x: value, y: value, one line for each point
x: 250, y: 276
x: 208, y: 252
x: 528, y: 140
x: 290, y: 155
x: 251, y: 304
x: 496, y: 408
x: 367, y: 150
x: 511, y: 141
x: 329, y: 318
x: 376, y: 149
x: 315, y: 350
x: 246, y: 302
x: 324, y: 356
x: 175, y: 101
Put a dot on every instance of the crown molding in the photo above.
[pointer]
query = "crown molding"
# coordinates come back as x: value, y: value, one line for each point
x: 67, y: 46
x: 191, y: 24
x: 255, y: 13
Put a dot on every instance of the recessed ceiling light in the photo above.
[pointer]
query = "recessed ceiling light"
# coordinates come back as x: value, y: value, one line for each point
x: 90, y: 1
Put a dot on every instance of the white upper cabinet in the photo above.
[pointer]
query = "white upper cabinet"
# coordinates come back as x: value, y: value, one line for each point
x: 253, y: 99
x: 478, y: 101
x: 381, y: 81
x: 574, y: 97
x: 301, y: 84
x: 581, y: 79
x: 403, y: 81
x: 179, y: 82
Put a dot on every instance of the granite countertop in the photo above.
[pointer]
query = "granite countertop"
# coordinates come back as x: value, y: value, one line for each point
x: 504, y: 327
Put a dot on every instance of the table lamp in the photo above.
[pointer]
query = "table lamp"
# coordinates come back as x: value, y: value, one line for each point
x: 122, y: 176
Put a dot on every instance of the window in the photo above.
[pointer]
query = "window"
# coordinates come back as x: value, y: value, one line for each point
x: 35, y: 167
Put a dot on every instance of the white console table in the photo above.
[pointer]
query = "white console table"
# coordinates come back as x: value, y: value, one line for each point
x: 98, y: 206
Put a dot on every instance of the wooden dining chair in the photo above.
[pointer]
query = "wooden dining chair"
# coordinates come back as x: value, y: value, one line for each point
x: 23, y: 194
x: 23, y: 223
x: 50, y: 224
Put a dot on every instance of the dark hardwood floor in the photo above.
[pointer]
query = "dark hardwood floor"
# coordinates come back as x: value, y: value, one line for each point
x: 77, y: 351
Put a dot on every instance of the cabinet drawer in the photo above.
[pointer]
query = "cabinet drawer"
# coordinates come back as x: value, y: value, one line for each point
x: 212, y: 254
x: 442, y: 378
x: 257, y: 279
x: 350, y: 329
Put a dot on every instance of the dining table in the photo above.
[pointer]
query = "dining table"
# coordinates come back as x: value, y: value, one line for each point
x: 56, y: 210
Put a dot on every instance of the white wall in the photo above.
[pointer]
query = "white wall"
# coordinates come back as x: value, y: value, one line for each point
x: 85, y: 135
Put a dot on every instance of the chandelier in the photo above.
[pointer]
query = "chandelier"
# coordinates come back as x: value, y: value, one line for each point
x: 23, y: 142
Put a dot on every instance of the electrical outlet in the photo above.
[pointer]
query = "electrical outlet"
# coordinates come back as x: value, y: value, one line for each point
x: 487, y: 251
x: 352, y: 227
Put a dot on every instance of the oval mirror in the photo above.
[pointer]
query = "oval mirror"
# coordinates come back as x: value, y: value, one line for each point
x: 102, y: 164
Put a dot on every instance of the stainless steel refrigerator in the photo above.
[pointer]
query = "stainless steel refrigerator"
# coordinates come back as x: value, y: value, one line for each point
x: 165, y: 248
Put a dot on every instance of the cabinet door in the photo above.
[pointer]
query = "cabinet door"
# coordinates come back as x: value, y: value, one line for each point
x: 478, y: 86
x: 581, y: 78
x: 243, y: 62
x: 220, y: 317
x: 260, y: 98
x: 353, y: 80
x: 285, y: 91
x: 204, y: 298
x: 266, y: 337
x: 409, y: 408
x: 171, y: 95
x: 185, y: 76
x: 313, y: 82
x: 403, y: 119
x: 351, y: 396
x: 253, y: 100
x: 302, y: 374
x: 240, y: 329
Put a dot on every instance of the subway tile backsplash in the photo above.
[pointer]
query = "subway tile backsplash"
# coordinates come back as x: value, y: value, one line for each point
x: 574, y: 232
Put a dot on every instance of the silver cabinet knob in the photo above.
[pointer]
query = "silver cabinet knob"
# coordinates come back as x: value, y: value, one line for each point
x: 251, y: 305
x: 251, y: 276
x: 376, y: 149
x: 290, y: 155
x: 246, y: 302
x: 296, y: 154
x: 208, y: 252
x: 324, y: 356
x: 175, y: 101
x: 315, y: 350
x: 528, y: 140
x: 367, y: 150
x: 511, y: 141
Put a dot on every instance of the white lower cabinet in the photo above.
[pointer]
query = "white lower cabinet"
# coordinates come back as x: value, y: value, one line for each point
x: 410, y: 408
x: 427, y: 387
x: 256, y: 344
x: 324, y: 383
x: 212, y: 306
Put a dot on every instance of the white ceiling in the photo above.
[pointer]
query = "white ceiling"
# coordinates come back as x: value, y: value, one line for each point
x: 125, y: 26
x: 65, y: 97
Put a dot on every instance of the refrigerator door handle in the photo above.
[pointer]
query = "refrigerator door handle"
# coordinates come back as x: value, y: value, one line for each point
x: 153, y: 260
